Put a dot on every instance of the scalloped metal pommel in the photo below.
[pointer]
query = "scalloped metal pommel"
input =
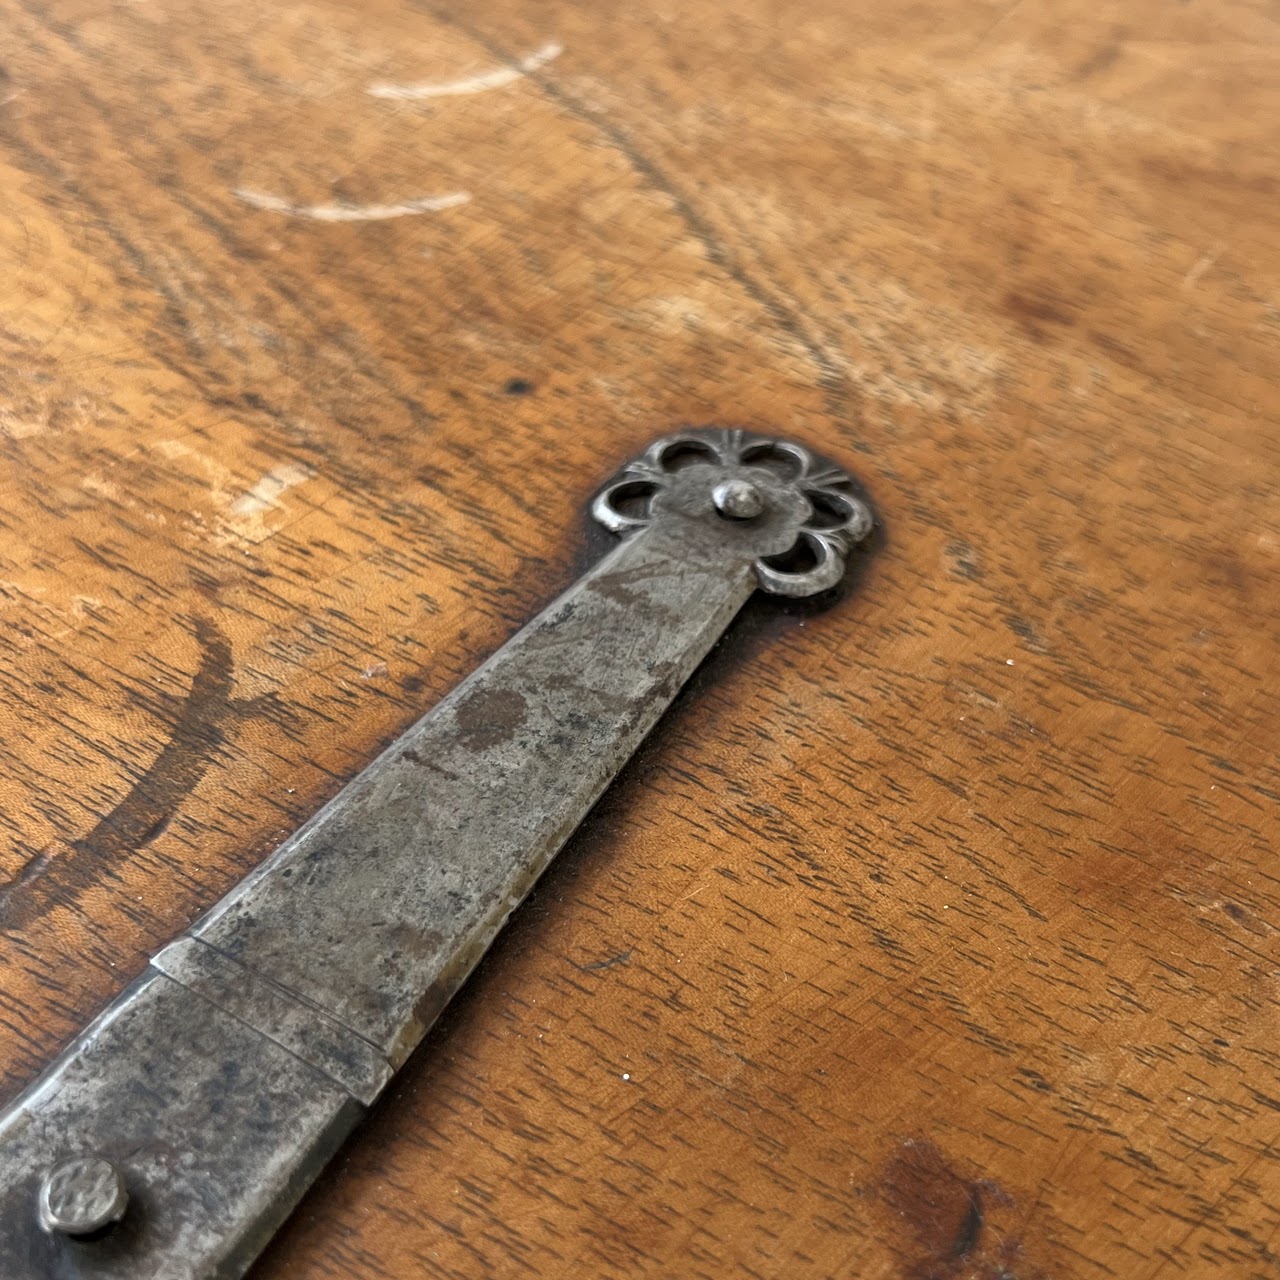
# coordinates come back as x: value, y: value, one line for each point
x: 795, y: 516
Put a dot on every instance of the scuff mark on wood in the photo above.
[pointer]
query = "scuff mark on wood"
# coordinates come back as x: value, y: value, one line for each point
x: 494, y: 79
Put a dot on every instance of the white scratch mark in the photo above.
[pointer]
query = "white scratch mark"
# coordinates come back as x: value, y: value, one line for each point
x: 265, y: 493
x: 494, y: 79
x: 1203, y: 265
x: 351, y: 212
x: 101, y: 487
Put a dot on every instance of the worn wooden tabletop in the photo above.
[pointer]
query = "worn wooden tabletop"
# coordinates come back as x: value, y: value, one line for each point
x: 933, y: 936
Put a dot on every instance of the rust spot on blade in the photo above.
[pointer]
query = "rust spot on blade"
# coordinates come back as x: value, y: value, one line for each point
x: 490, y: 717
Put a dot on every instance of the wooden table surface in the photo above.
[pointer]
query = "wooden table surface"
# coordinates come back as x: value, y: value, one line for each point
x: 933, y: 936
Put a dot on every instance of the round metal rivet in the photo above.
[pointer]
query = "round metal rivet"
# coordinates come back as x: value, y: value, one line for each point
x: 738, y: 499
x: 81, y: 1196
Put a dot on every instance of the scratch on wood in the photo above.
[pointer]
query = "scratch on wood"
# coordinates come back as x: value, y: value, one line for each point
x: 494, y: 79
x: 265, y: 494
x: 342, y: 212
x: 1202, y: 264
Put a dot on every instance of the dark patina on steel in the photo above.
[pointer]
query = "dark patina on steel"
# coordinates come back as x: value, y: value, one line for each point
x: 181, y: 1127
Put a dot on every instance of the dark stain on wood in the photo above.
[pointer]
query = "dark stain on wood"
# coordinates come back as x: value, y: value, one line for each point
x: 59, y: 879
x: 1103, y: 58
x: 597, y: 965
x: 946, y: 1219
x: 1032, y: 310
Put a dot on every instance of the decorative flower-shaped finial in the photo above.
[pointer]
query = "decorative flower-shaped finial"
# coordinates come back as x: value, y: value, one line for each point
x: 797, y: 516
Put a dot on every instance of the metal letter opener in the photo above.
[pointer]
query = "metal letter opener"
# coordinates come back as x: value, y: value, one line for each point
x: 177, y: 1132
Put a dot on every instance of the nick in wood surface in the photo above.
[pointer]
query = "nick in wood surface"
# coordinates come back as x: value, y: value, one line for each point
x: 177, y: 1132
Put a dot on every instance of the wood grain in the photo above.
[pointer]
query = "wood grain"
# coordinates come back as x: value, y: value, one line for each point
x: 933, y: 936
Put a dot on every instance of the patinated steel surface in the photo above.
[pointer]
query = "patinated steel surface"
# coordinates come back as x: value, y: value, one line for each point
x: 218, y: 1085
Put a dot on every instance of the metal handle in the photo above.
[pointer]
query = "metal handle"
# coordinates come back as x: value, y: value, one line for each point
x: 178, y: 1131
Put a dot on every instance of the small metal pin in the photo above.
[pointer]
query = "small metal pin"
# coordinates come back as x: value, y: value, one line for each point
x: 81, y: 1196
x: 738, y: 500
